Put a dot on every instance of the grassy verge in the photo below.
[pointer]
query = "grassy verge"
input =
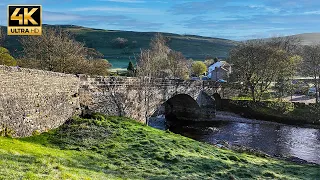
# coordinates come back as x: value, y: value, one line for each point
x: 282, y: 112
x: 120, y: 148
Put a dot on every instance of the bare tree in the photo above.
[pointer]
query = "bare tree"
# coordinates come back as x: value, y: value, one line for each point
x: 56, y: 50
x: 311, y: 64
x: 151, y: 63
x: 177, y: 64
x: 290, y: 44
x: 119, y: 42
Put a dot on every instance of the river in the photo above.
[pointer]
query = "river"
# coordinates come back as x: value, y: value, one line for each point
x: 271, y: 138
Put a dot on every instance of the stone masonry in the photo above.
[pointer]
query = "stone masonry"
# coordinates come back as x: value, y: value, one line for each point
x: 34, y: 100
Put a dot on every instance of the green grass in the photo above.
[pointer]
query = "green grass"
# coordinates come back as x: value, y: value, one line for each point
x: 120, y: 148
x: 196, y: 47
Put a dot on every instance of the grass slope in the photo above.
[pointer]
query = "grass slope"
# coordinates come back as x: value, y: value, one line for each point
x: 120, y: 148
x: 309, y: 38
x: 195, y: 47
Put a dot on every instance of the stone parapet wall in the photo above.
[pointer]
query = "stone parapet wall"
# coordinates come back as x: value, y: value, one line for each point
x: 34, y: 100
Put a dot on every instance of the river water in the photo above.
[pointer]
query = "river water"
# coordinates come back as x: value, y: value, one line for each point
x: 274, y: 139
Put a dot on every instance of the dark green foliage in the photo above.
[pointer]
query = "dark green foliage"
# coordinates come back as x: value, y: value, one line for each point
x: 131, y: 70
x: 130, y: 67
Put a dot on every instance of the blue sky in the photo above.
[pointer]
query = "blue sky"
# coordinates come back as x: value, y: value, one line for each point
x: 231, y: 19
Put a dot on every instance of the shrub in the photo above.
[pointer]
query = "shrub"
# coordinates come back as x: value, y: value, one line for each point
x: 6, y: 131
x: 6, y: 58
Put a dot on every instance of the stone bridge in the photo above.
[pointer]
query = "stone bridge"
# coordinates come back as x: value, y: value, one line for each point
x: 140, y: 98
x: 34, y: 100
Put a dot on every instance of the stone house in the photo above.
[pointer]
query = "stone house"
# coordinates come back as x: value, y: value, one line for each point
x: 219, y: 70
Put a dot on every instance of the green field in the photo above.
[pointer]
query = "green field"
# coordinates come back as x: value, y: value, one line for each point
x: 195, y: 47
x: 120, y: 148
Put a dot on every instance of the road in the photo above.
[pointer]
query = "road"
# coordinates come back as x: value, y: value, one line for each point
x: 301, y: 98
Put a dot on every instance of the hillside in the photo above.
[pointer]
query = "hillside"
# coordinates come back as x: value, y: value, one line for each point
x: 120, y: 148
x: 191, y: 46
x: 309, y: 38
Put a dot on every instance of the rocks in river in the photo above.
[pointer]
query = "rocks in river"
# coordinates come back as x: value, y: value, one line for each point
x: 212, y: 129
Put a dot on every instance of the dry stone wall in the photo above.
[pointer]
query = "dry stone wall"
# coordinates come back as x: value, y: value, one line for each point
x: 34, y: 100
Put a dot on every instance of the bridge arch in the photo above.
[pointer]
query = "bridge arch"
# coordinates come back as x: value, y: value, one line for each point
x: 181, y: 107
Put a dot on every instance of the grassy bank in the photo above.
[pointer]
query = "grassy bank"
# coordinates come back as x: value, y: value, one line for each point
x: 116, y: 148
x: 282, y: 112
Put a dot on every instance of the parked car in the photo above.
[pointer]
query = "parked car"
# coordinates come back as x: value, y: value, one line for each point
x: 195, y: 78
x: 312, y: 91
x: 205, y: 78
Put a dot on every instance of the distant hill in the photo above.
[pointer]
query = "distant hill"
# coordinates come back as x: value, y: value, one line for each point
x: 309, y: 38
x: 196, y: 47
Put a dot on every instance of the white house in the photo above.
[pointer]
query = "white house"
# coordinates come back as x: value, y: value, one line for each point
x: 219, y: 70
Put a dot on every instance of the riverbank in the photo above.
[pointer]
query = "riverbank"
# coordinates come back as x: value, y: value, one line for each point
x: 120, y: 148
x: 306, y: 115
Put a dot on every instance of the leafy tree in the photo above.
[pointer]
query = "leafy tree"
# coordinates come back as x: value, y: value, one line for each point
x: 6, y: 58
x: 311, y: 64
x: 258, y: 64
x: 199, y: 68
x: 284, y: 81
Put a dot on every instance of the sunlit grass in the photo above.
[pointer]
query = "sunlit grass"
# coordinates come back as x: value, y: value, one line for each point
x: 120, y: 148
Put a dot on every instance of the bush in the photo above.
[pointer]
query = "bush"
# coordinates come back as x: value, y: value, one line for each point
x: 6, y: 58
x: 199, y: 68
x: 6, y: 131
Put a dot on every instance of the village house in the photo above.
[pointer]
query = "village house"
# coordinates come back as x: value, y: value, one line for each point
x: 219, y: 71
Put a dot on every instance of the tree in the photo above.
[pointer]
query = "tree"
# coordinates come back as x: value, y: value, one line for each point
x: 311, y: 64
x: 130, y: 69
x: 56, y: 50
x: 284, y: 80
x: 119, y: 42
x: 198, y: 68
x: 2, y: 36
x: 209, y: 62
x: 177, y: 64
x: 153, y: 62
x: 6, y: 58
x: 258, y: 64
x: 159, y: 61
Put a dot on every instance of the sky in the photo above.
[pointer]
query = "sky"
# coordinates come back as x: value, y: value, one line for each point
x: 230, y: 19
